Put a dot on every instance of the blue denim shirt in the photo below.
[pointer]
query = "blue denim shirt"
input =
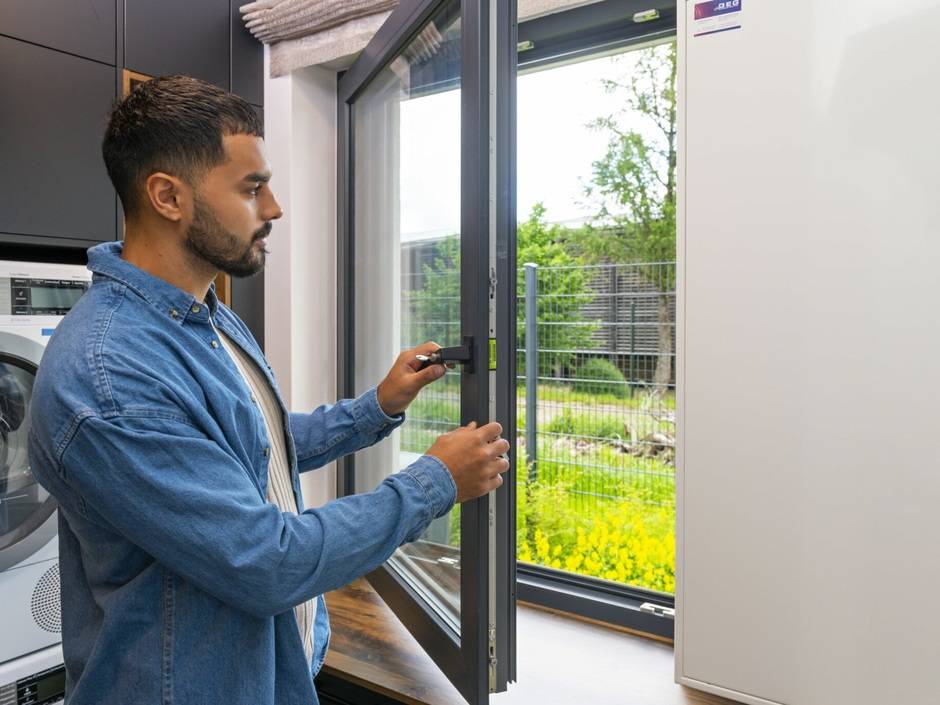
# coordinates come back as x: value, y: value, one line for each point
x: 178, y: 577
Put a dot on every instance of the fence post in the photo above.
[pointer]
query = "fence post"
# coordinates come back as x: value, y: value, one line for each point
x: 632, y: 347
x: 531, y: 367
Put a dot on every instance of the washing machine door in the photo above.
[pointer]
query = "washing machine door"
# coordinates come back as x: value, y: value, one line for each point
x: 27, y: 511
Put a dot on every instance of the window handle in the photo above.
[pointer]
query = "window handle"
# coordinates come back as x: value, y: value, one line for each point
x: 461, y: 354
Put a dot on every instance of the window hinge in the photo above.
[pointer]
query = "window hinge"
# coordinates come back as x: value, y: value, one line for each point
x: 492, y: 654
x: 658, y: 610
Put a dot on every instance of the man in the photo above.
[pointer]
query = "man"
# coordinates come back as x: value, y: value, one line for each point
x: 190, y: 571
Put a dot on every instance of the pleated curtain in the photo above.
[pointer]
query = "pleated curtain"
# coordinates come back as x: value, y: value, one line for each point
x: 316, y: 32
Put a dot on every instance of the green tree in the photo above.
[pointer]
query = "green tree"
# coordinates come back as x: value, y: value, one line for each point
x: 433, y: 307
x: 563, y: 290
x: 635, y: 181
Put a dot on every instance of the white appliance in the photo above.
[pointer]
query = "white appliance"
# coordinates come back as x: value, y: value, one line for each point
x: 35, y: 679
x: 809, y: 350
x: 33, y: 299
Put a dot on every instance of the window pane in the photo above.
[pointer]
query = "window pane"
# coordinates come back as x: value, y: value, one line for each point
x: 597, y: 215
x: 406, y: 156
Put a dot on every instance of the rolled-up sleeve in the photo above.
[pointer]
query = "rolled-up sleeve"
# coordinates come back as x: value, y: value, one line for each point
x: 165, y: 486
x: 333, y: 430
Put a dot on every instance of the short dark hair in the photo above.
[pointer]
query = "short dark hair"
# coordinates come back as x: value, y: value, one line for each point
x: 173, y: 124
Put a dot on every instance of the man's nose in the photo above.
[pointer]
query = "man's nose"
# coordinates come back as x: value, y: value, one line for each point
x: 275, y: 211
x: 272, y: 209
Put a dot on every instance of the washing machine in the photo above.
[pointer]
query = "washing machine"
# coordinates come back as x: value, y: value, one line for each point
x: 34, y: 297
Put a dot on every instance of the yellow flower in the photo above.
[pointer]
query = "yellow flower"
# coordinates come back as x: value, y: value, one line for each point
x: 573, y: 562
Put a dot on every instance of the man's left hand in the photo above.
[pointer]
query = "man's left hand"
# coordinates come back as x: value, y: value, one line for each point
x: 403, y: 382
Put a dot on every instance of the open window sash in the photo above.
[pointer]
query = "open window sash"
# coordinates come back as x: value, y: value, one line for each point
x: 426, y: 251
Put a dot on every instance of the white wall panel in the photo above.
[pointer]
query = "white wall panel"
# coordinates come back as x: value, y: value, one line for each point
x: 809, y: 340
x: 300, y: 276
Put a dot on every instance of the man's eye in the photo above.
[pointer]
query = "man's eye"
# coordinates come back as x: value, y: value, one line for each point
x: 255, y: 190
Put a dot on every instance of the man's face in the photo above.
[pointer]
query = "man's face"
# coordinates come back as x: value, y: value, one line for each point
x: 233, y: 208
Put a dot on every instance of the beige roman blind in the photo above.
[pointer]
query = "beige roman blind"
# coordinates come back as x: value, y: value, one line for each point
x: 277, y: 20
x: 315, y: 32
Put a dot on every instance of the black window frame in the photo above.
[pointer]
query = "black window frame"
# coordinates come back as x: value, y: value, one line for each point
x: 467, y: 661
x: 579, y: 34
x: 588, y: 31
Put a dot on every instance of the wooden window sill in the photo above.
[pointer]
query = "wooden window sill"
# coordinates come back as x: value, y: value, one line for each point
x: 372, y: 649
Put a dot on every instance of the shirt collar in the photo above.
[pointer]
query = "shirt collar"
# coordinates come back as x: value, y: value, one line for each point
x: 178, y: 305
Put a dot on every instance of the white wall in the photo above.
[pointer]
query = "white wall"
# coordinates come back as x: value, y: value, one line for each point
x: 300, y: 277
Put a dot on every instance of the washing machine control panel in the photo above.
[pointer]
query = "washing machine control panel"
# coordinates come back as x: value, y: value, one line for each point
x: 31, y: 296
x: 42, y: 688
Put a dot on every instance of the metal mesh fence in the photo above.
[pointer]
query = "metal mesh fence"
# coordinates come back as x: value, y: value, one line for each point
x: 600, y: 377
x: 596, y: 410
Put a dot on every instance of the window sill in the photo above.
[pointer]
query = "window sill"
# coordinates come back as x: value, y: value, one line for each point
x: 371, y: 649
x: 374, y: 660
x: 608, y: 604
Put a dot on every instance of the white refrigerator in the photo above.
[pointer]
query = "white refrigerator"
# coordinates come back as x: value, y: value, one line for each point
x: 808, y: 532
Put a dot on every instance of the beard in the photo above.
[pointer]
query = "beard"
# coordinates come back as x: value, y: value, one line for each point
x: 208, y: 239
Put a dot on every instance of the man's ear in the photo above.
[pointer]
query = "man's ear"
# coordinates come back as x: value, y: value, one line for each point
x: 167, y: 195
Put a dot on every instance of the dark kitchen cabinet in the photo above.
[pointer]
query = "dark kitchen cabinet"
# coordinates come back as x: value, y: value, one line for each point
x: 247, y: 60
x: 248, y: 303
x: 82, y: 27
x: 53, y: 181
x: 179, y: 36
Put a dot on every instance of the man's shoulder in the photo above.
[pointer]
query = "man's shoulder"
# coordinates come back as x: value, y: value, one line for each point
x: 104, y: 354
x: 65, y: 385
x: 68, y: 358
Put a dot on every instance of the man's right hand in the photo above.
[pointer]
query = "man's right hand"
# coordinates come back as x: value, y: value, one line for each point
x: 474, y: 457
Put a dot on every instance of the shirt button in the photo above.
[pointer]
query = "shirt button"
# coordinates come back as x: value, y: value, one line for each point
x: 253, y: 399
x: 195, y: 308
x: 174, y: 313
x: 267, y: 451
x: 214, y: 343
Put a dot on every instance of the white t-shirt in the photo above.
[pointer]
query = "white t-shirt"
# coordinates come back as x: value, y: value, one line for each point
x: 280, y: 489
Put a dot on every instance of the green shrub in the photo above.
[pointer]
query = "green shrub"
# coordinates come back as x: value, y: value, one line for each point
x: 587, y: 425
x: 600, y: 376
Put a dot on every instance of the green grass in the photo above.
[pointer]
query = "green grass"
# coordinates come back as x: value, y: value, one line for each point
x: 442, y: 401
x: 449, y: 388
x: 436, y: 409
x: 593, y: 421
x: 565, y: 393
x: 606, y: 472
